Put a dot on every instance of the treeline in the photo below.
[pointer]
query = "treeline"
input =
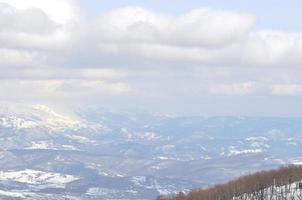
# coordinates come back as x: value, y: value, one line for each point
x: 266, y: 185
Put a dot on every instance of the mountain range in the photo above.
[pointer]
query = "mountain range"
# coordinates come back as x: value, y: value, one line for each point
x: 94, y: 153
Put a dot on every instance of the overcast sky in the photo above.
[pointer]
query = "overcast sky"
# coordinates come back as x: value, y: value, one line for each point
x: 193, y: 57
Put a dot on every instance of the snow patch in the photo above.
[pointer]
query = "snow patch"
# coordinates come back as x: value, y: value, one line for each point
x: 41, y: 145
x: 34, y: 177
x: 234, y: 152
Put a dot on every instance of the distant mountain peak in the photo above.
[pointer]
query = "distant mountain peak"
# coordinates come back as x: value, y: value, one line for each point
x: 39, y: 115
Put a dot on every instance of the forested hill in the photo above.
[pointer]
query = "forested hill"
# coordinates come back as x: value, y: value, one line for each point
x: 279, y: 184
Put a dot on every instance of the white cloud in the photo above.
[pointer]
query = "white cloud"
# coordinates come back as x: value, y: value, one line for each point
x: 259, y: 49
x: 269, y: 48
x: 19, y: 40
x: 202, y: 36
x: 136, y: 35
x: 232, y: 89
x: 93, y: 87
x: 287, y: 89
x: 30, y: 29
x: 28, y: 33
x: 48, y: 73
x: 58, y: 89
x: 200, y: 27
x: 16, y: 58
x: 59, y: 11
x: 46, y: 51
x: 27, y: 21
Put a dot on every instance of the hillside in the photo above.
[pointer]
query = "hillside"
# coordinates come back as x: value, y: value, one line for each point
x: 282, y: 183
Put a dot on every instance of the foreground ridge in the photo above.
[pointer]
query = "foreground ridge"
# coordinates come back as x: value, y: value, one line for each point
x: 278, y: 184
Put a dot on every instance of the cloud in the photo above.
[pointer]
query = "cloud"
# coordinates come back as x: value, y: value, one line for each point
x: 135, y: 36
x: 29, y: 34
x: 201, y: 36
x: 200, y: 27
x: 61, y: 74
x: 30, y: 28
x: 287, y: 89
x: 16, y: 58
x: 59, y: 89
x: 59, y: 11
x: 232, y: 89
x: 271, y: 48
x: 48, y: 49
x: 27, y: 21
x: 93, y: 87
x: 259, y: 49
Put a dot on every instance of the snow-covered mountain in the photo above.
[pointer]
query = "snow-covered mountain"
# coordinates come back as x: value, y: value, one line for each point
x: 135, y: 155
x: 37, y: 116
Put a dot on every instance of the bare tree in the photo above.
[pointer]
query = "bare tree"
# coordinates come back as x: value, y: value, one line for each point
x: 258, y: 186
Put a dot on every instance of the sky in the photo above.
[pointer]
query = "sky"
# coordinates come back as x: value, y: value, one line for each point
x: 207, y: 57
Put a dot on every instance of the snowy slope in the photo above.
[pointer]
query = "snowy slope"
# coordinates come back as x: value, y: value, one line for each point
x: 34, y: 116
x: 34, y: 177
